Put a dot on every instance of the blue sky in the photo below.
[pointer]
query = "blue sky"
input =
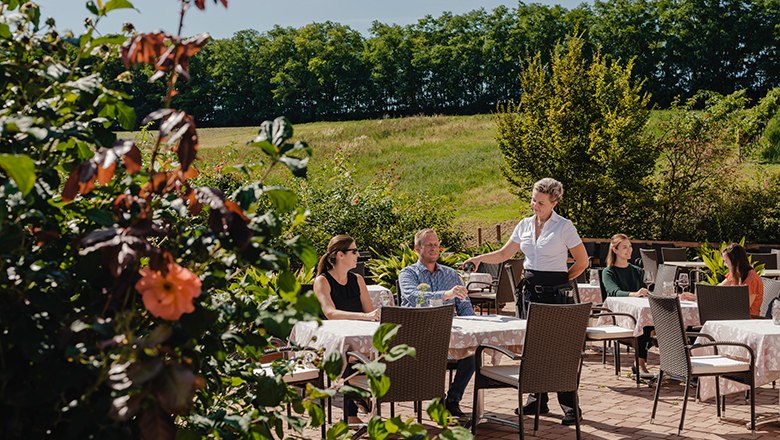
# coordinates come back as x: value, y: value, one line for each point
x: 262, y: 15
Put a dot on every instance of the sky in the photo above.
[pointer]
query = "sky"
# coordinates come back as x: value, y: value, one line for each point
x: 262, y: 15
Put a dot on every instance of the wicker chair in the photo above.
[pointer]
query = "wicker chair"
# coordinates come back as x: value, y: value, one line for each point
x: 551, y: 359
x: 722, y: 302
x: 674, y: 254
x: 414, y: 379
x: 300, y: 375
x: 676, y: 358
x: 649, y: 260
x: 615, y: 333
x: 769, y: 259
x: 771, y: 291
x: 500, y: 292
x: 665, y: 274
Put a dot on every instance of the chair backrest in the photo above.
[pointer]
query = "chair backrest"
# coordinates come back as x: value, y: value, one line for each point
x: 505, y: 291
x: 552, y: 352
x: 769, y: 259
x: 491, y: 268
x: 665, y: 274
x: 670, y: 333
x: 601, y: 285
x: 674, y: 254
x: 722, y: 302
x: 771, y: 291
x: 427, y: 329
x: 398, y: 292
x: 649, y: 260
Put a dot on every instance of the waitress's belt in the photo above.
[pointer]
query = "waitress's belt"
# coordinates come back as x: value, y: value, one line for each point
x: 539, y: 289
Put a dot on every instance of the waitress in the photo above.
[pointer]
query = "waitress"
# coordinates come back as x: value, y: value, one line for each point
x: 546, y: 240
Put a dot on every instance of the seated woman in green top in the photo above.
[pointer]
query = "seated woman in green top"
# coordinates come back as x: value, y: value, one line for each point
x: 622, y: 278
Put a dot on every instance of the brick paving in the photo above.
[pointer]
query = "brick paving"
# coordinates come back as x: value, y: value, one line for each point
x: 614, y: 409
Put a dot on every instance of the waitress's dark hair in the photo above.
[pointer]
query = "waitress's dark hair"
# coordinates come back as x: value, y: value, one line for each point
x: 739, y: 261
x: 339, y: 243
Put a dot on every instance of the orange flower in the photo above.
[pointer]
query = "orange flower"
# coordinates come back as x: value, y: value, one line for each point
x: 169, y: 296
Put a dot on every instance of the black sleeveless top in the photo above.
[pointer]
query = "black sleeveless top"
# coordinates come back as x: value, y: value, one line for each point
x: 345, y: 297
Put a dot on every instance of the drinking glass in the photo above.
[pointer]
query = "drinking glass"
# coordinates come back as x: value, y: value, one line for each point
x: 594, y: 277
x: 668, y: 289
x: 682, y: 281
x: 384, y: 298
x: 648, y: 279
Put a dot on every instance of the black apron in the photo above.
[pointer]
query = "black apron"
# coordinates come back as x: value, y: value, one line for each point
x: 547, y: 287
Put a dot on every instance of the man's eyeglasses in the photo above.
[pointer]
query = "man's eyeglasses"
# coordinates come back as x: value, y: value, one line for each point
x: 353, y: 250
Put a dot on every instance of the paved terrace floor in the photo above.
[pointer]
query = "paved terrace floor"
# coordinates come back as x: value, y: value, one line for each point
x: 614, y: 409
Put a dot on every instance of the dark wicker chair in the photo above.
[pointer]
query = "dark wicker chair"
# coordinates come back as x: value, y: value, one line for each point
x: 649, y: 261
x: 676, y: 359
x: 501, y: 291
x: 414, y: 379
x: 771, y: 291
x: 674, y: 254
x: 769, y: 259
x: 722, y: 302
x: 665, y: 274
x: 551, y: 359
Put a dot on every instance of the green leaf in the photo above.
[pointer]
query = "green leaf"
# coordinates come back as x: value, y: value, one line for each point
x: 372, y: 369
x: 126, y: 115
x: 92, y: 7
x: 456, y: 433
x: 333, y: 364
x: 100, y: 216
x: 379, y: 385
x: 270, y: 391
x: 339, y: 431
x: 350, y: 391
x: 267, y: 147
x: 315, y: 412
x: 283, y: 199
x: 5, y: 31
x: 287, y: 283
x: 317, y: 393
x: 438, y: 412
x: 399, y: 351
x: 377, y: 429
x: 383, y: 335
x: 21, y: 169
x: 296, y: 166
x: 116, y: 4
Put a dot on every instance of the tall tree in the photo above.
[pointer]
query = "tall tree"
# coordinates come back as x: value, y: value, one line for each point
x: 580, y: 121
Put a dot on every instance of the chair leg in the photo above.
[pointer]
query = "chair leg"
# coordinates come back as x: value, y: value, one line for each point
x: 717, y: 394
x: 685, y: 406
x: 753, y: 404
x: 538, y: 411
x: 520, y: 414
x: 392, y: 409
x: 657, y: 393
x: 474, y: 403
x: 604, y: 352
x: 577, y: 414
x: 419, y: 411
x: 617, y: 357
x: 322, y: 429
x: 636, y: 362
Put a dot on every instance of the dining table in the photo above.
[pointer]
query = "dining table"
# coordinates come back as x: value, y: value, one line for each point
x: 589, y: 293
x: 771, y: 273
x: 376, y: 292
x: 639, y: 308
x: 761, y: 335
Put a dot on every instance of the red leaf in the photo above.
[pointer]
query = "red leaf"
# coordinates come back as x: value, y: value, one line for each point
x: 201, y: 4
x: 71, y: 188
x: 176, y: 389
x: 145, y: 48
x: 132, y: 160
x: 104, y: 175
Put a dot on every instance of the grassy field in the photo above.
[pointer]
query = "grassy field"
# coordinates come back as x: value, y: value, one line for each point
x: 455, y: 157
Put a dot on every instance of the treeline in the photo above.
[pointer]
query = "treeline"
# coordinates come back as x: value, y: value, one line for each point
x: 466, y: 64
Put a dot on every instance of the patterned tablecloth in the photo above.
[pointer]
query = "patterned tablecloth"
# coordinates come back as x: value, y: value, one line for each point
x: 468, y: 333
x: 759, y: 334
x: 639, y: 308
x: 589, y: 293
x: 375, y: 292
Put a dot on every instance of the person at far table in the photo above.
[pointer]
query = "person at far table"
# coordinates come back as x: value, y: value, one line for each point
x: 740, y: 273
x: 343, y: 294
x: 622, y: 278
x: 546, y: 239
x: 428, y: 280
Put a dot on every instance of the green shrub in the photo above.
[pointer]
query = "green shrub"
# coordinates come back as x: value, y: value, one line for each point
x: 771, y: 151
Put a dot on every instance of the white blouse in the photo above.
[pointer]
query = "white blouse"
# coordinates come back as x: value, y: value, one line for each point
x: 550, y: 251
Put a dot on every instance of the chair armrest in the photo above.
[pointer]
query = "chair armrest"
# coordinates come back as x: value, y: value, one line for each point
x: 731, y: 344
x: 483, y: 285
x: 512, y: 355
x: 613, y: 314
x: 699, y: 334
x: 600, y: 308
x: 360, y: 356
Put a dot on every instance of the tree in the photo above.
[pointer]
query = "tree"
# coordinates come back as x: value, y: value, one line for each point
x: 580, y: 121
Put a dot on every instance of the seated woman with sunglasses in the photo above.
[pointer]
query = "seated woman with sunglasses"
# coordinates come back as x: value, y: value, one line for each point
x: 343, y: 294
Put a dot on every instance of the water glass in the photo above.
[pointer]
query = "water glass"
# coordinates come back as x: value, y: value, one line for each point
x: 436, y: 302
x: 668, y: 289
x: 384, y: 298
x: 594, y: 277
x: 683, y: 280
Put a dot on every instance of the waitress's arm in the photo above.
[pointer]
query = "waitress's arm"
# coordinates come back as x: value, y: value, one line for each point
x: 508, y: 251
x: 580, y: 261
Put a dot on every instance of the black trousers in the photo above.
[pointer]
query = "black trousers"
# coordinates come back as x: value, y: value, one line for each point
x: 545, y: 296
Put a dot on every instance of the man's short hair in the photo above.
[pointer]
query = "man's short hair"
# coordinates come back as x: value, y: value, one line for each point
x: 420, y: 235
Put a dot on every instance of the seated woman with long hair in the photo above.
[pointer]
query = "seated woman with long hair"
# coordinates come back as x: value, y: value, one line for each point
x: 343, y: 294
x: 622, y: 278
x: 740, y: 273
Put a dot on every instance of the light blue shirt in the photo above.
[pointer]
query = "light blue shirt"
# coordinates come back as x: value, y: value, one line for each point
x: 441, y: 280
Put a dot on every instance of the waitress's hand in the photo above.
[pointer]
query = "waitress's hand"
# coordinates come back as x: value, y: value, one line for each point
x: 473, y: 261
x: 456, y: 292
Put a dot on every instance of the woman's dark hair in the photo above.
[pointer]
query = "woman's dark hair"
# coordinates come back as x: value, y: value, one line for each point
x: 739, y: 262
x: 339, y: 243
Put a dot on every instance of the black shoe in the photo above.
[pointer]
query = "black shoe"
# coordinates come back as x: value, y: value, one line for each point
x: 454, y: 409
x: 529, y: 409
x: 570, y: 418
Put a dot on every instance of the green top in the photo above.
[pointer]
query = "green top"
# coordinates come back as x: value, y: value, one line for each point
x: 621, y: 281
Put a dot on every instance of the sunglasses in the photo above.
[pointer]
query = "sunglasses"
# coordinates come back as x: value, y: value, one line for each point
x: 353, y: 250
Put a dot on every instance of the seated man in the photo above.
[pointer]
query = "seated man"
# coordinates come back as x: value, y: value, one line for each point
x: 444, y: 284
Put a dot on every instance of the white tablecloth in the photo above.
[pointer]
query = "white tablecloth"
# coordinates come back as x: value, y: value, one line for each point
x: 589, y: 293
x: 639, y: 308
x: 760, y: 335
x: 468, y: 333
